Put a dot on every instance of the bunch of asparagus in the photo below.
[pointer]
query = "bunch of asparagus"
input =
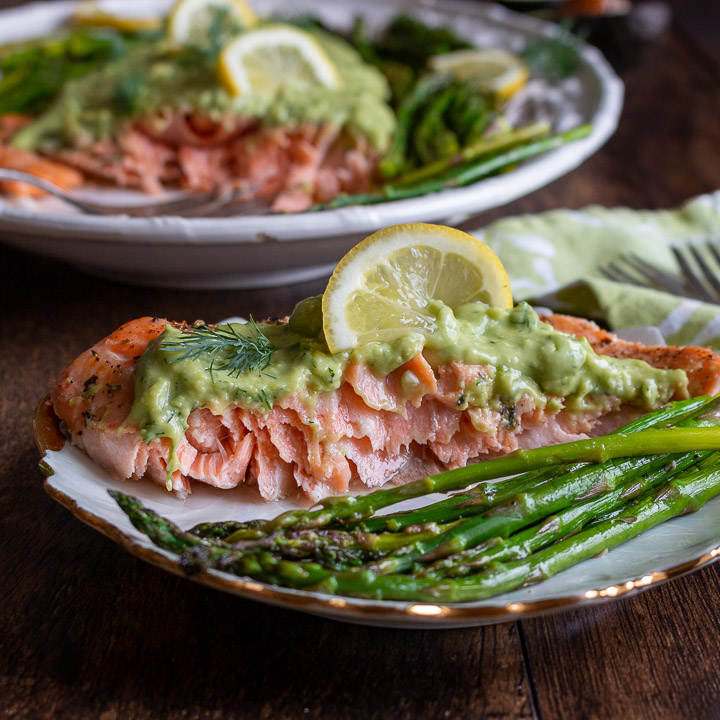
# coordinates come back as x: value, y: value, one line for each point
x: 569, y: 503
x: 450, y: 133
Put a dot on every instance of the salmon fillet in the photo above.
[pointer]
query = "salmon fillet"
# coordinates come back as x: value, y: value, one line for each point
x: 700, y: 364
x: 296, y: 166
x: 59, y: 174
x: 371, y: 429
x: 15, y: 159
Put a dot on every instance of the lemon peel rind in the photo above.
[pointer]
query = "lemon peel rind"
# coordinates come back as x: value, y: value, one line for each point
x: 503, y: 85
x: 363, y: 256
x: 182, y: 12
x: 235, y: 77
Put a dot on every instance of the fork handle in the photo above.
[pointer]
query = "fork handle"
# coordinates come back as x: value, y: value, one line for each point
x: 47, y: 186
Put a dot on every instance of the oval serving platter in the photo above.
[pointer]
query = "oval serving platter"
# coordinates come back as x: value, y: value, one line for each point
x: 667, y: 551
x: 262, y: 250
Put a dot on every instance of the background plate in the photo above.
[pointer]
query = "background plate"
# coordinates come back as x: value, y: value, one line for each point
x: 258, y: 251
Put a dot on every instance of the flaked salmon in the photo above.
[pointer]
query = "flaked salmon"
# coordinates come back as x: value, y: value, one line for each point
x: 372, y: 429
x: 296, y: 165
x: 66, y: 178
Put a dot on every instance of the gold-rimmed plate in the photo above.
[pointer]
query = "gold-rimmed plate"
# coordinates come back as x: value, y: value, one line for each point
x: 665, y: 552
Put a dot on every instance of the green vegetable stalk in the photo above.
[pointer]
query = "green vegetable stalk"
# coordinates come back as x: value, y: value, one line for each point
x: 461, y: 175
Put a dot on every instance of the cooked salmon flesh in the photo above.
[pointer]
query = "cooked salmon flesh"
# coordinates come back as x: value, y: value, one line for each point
x: 371, y: 430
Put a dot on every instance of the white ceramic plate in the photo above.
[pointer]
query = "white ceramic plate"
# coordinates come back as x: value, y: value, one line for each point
x: 667, y: 551
x: 273, y: 249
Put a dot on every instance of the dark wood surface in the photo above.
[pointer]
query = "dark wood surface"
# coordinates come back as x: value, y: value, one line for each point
x: 87, y: 631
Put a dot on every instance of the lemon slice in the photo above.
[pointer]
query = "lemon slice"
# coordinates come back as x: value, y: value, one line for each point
x: 90, y: 15
x: 380, y: 290
x: 497, y: 71
x: 261, y: 61
x: 191, y: 22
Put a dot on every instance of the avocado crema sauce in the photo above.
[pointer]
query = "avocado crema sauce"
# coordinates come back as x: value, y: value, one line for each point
x: 156, y: 77
x: 529, y: 356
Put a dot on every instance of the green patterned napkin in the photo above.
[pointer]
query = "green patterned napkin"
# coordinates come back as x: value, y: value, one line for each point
x: 553, y: 259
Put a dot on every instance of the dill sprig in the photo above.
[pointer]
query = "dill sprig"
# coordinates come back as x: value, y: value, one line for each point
x: 226, y: 348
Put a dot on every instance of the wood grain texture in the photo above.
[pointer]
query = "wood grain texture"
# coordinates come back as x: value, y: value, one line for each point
x: 652, y: 656
x: 87, y: 631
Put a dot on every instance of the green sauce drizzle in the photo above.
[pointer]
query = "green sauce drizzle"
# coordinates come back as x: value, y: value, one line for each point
x: 526, y: 356
x: 156, y: 76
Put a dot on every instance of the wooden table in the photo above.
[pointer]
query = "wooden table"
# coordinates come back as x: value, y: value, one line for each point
x: 87, y: 631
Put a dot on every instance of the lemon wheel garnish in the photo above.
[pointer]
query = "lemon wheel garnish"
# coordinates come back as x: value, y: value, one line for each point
x: 380, y: 290
x: 496, y: 71
x: 262, y: 60
x: 191, y: 22
x: 90, y: 15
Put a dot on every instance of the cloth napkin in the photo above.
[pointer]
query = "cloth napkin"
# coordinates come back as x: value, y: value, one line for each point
x: 553, y: 259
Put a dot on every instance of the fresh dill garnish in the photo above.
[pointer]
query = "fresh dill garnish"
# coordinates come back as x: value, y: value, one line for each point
x: 228, y: 350
x: 263, y: 397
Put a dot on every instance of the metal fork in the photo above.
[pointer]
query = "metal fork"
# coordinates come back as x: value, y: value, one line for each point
x: 699, y: 277
x: 213, y: 203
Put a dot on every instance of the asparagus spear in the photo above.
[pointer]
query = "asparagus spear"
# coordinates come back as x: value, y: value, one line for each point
x: 470, y: 113
x: 332, y: 547
x: 164, y: 533
x: 432, y: 138
x: 394, y: 161
x: 336, y: 549
x: 221, y: 530
x: 412, y: 42
x: 555, y: 527
x: 474, y: 151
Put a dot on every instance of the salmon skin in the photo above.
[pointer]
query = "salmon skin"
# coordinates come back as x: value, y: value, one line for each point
x: 369, y: 430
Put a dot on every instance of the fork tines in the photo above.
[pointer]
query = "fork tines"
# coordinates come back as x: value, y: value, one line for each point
x: 699, y: 277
